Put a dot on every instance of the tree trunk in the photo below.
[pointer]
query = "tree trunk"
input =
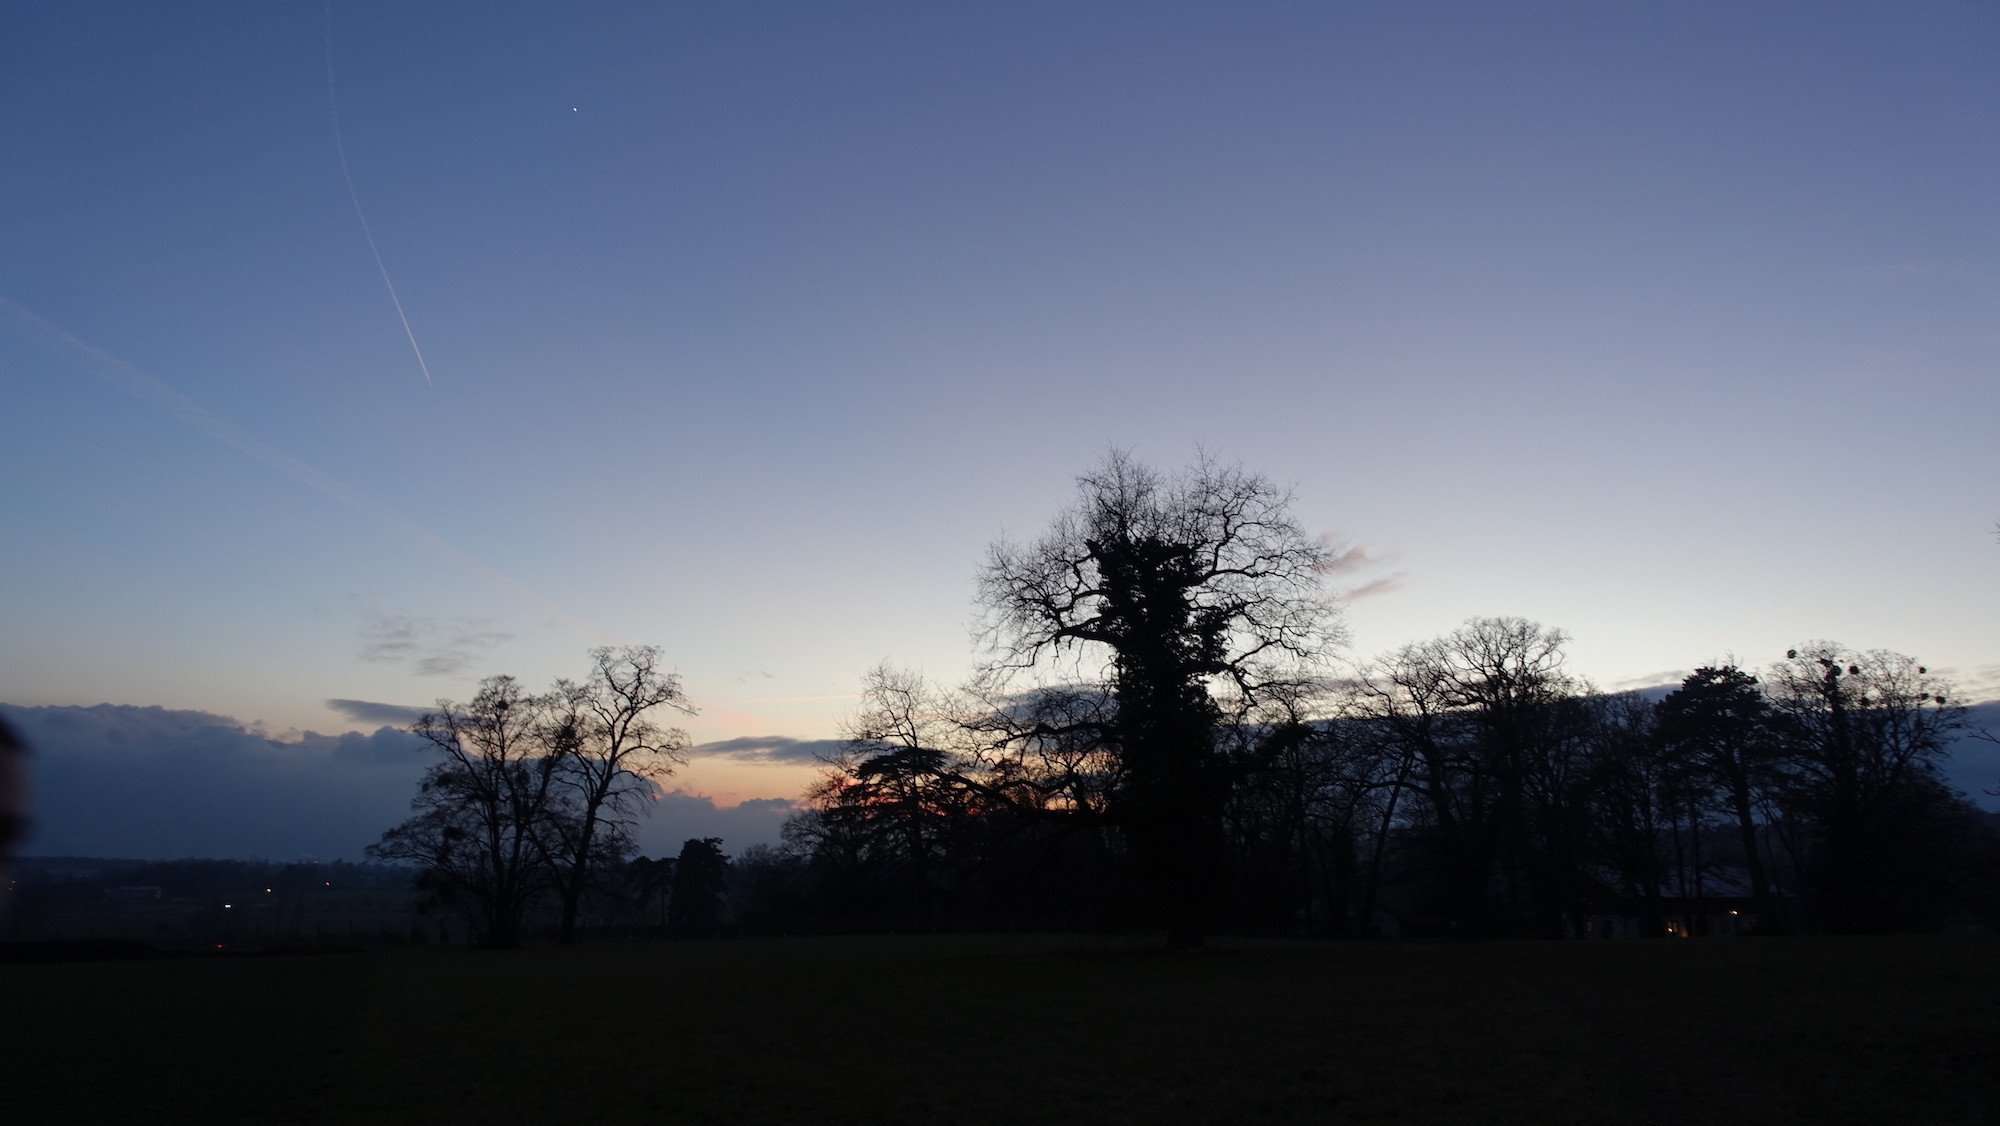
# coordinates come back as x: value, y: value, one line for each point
x: 571, y: 897
x: 1753, y: 859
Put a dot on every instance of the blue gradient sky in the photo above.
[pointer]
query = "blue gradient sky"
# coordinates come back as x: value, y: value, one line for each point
x: 1673, y: 325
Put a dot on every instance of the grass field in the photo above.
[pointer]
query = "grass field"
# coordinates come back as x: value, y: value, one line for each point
x: 1020, y: 1030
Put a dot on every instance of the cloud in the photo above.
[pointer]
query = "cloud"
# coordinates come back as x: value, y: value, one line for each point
x: 1388, y: 585
x: 1665, y: 678
x: 680, y: 816
x: 156, y: 784
x: 1982, y: 683
x: 149, y: 783
x: 365, y: 711
x: 1360, y: 558
x: 766, y: 748
x: 432, y: 646
x: 1352, y: 559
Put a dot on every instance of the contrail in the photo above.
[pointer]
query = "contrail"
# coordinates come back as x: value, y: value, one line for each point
x: 111, y: 369
x: 333, y: 104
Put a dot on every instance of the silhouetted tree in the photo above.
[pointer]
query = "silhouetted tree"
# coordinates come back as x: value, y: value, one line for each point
x: 482, y: 810
x: 937, y: 794
x: 904, y: 796
x: 1865, y: 734
x: 768, y: 886
x: 1720, y: 727
x: 701, y: 877
x: 1196, y: 600
x: 610, y: 754
x: 1307, y: 833
x: 650, y: 884
x: 1492, y: 720
x: 1633, y: 802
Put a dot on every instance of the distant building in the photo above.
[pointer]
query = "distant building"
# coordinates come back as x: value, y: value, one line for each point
x: 1718, y: 903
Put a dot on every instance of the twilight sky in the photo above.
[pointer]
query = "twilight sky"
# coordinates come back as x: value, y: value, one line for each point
x: 749, y: 326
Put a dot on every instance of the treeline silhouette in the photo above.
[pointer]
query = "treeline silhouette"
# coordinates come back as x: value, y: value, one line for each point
x: 1159, y: 737
x: 1464, y: 787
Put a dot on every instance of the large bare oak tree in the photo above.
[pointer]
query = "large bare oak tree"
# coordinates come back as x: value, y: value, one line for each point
x: 1197, y: 601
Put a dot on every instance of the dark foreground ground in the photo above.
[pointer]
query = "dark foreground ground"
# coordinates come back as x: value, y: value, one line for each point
x: 1019, y: 1030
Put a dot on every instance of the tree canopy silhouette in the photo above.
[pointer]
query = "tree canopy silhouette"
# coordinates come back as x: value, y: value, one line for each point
x: 1195, y: 600
x: 538, y: 794
x: 701, y: 878
x: 481, y: 809
x: 1723, y: 734
x: 611, y: 752
x: 1866, y: 734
